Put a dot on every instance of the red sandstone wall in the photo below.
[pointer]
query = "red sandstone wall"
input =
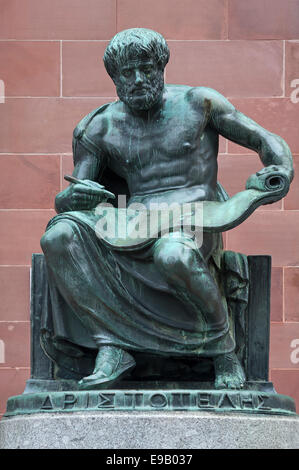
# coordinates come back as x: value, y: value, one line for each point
x: 50, y: 64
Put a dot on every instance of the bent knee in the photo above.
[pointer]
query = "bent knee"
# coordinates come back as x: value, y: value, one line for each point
x: 57, y: 238
x: 174, y: 258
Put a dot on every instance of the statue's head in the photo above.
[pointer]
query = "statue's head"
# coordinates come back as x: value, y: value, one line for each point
x: 135, y: 60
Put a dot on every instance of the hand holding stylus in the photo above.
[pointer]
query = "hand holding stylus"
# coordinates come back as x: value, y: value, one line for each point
x: 86, y: 194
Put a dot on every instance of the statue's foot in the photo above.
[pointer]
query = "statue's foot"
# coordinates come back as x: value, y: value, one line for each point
x: 111, y: 365
x: 228, y: 372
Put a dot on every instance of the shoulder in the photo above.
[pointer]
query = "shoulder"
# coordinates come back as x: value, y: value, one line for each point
x: 89, y: 121
x: 192, y: 93
x: 199, y: 98
x: 208, y: 97
x: 176, y: 93
x: 93, y: 127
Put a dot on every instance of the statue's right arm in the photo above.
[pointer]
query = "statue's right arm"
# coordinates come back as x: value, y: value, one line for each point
x: 87, y: 167
x: 89, y: 161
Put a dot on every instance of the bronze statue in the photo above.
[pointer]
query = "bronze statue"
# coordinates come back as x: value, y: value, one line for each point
x: 158, y: 144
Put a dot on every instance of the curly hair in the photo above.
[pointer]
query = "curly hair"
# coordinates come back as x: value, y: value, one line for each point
x: 132, y: 43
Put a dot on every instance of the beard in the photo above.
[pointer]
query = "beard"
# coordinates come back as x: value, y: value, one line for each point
x: 144, y: 97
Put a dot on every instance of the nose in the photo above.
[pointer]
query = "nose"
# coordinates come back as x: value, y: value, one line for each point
x: 138, y: 77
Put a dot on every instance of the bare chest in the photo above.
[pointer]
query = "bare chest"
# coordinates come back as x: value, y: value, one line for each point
x: 135, y: 146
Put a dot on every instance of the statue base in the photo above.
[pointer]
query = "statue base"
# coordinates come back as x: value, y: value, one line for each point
x: 149, y: 430
x: 54, y: 414
x: 56, y: 396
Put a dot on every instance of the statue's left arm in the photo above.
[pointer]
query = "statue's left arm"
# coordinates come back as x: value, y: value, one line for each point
x: 235, y: 126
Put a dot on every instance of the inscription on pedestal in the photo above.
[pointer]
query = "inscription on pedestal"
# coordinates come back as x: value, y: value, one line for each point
x: 156, y: 401
x: 246, y: 401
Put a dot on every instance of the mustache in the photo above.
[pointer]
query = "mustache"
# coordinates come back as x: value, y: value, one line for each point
x: 139, y: 88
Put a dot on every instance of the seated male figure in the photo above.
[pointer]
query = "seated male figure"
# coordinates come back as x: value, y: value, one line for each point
x: 163, y: 140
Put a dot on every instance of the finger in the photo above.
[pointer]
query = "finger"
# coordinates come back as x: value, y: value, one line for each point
x: 90, y: 183
x: 99, y: 192
x: 80, y: 188
x: 108, y: 194
x: 85, y: 205
x: 84, y: 196
x: 92, y: 198
x: 263, y: 171
x: 96, y: 185
x: 86, y: 199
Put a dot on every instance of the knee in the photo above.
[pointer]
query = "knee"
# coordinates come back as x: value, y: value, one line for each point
x: 57, y: 239
x: 174, y: 259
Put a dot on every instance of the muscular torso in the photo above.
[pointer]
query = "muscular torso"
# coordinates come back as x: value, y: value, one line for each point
x: 171, y: 157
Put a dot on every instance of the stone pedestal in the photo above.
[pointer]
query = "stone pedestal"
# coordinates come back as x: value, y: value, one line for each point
x: 149, y: 430
x: 148, y: 414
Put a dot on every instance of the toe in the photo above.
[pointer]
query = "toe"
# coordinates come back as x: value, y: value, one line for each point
x: 220, y: 384
x: 231, y: 385
x: 92, y: 377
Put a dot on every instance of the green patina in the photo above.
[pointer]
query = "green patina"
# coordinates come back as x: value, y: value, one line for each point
x: 167, y: 297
